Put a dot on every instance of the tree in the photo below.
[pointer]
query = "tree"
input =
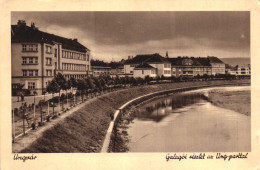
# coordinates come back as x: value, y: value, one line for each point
x: 147, y: 79
x: 81, y: 87
x: 90, y: 84
x: 61, y: 81
x: 73, y: 83
x: 53, y: 87
x: 97, y: 83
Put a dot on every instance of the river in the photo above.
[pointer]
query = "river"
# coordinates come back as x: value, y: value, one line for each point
x: 186, y: 122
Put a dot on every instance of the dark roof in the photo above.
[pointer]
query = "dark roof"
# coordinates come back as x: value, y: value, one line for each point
x: 203, y: 61
x: 179, y: 61
x: 144, y: 66
x: 148, y: 58
x: 23, y: 33
x: 214, y: 60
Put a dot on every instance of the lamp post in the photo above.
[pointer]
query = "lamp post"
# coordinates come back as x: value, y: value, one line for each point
x: 34, y: 107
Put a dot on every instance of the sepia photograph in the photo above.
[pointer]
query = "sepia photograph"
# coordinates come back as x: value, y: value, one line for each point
x: 130, y: 81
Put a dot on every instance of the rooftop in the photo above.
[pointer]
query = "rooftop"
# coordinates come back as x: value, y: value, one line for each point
x: 23, y: 33
x: 148, y: 58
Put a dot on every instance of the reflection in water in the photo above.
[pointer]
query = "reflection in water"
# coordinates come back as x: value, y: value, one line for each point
x: 157, y: 109
x: 185, y: 122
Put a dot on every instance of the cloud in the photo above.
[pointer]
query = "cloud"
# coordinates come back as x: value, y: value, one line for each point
x: 120, y: 34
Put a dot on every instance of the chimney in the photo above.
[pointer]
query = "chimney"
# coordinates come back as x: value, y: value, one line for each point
x: 33, y: 26
x: 129, y: 57
x: 167, y: 54
x: 75, y: 39
x: 21, y: 23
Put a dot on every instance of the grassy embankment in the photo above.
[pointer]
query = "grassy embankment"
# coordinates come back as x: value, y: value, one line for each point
x: 239, y: 101
x: 85, y: 130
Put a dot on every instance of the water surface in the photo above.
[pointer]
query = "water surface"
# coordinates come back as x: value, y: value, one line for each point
x: 185, y: 122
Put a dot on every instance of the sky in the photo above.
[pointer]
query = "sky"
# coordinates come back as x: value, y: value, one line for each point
x: 117, y: 35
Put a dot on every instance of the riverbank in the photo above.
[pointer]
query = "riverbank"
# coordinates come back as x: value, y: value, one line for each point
x: 85, y: 129
x: 239, y: 101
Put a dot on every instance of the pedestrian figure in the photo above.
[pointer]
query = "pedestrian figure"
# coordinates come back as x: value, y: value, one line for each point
x: 22, y: 97
x: 112, y: 116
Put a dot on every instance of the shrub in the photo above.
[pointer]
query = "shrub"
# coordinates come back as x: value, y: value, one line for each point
x: 54, y: 99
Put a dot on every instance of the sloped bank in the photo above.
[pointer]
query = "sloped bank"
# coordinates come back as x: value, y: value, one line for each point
x: 85, y: 130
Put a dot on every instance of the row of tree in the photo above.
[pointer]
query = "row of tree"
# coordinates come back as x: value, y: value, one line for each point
x: 101, y: 83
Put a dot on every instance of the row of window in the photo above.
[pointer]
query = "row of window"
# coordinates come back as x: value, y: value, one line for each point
x: 30, y: 73
x: 29, y: 47
x: 31, y: 85
x: 167, y: 71
x: 33, y: 73
x: 167, y: 65
x: 69, y: 66
x: 30, y: 60
x: 74, y: 55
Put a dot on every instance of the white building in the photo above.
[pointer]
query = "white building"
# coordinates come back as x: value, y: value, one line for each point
x: 138, y: 66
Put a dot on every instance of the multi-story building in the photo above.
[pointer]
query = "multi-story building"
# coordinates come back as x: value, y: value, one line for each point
x: 244, y: 70
x: 159, y: 66
x: 101, y: 70
x: 191, y: 66
x: 217, y: 66
x: 37, y: 56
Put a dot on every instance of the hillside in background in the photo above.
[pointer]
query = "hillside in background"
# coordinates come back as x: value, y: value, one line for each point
x: 236, y: 61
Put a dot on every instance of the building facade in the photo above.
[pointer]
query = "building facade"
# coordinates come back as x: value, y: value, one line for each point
x: 244, y: 70
x: 38, y: 56
x: 158, y: 63
x: 191, y: 66
x: 101, y: 70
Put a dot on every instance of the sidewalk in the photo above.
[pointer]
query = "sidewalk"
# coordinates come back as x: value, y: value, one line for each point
x: 30, y: 99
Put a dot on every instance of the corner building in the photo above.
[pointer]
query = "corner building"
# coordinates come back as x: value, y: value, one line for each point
x: 37, y: 56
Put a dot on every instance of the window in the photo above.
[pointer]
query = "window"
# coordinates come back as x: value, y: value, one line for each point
x: 88, y: 58
x: 48, y: 72
x: 167, y: 65
x: 24, y: 47
x: 31, y: 85
x: 142, y: 71
x: 153, y: 71
x: 35, y: 47
x: 48, y: 61
x: 24, y: 73
x: 167, y: 71
x: 31, y: 60
x: 48, y: 49
x: 24, y: 60
x: 30, y: 72
x: 29, y: 47
x: 55, y: 53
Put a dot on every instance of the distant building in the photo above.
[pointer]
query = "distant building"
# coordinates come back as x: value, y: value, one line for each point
x: 143, y: 70
x: 243, y: 70
x: 217, y: 66
x: 191, y: 66
x: 101, y: 70
x: 138, y: 66
x: 37, y: 56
